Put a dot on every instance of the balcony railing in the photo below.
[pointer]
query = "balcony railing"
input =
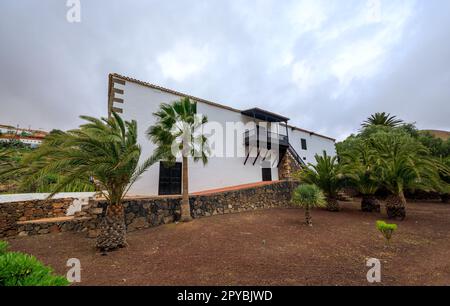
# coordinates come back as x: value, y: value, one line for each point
x: 264, y: 138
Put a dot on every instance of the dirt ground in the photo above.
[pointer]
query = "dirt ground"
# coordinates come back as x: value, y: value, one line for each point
x: 266, y: 247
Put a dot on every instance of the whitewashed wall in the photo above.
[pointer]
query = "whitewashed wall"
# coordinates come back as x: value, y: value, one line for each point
x: 315, y: 145
x: 140, y: 102
x: 226, y: 171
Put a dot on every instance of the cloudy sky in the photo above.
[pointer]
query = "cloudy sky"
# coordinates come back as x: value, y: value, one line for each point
x: 325, y: 64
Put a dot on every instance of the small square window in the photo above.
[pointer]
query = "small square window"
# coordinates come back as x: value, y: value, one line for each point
x: 303, y: 141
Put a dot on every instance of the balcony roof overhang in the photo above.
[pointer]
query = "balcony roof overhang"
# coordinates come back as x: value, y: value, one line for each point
x: 264, y: 115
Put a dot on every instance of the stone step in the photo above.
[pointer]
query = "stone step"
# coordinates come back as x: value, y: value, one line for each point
x: 342, y: 196
x: 47, y: 220
x: 53, y: 225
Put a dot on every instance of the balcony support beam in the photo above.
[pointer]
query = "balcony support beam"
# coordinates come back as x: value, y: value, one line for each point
x: 246, y: 158
x: 257, y: 155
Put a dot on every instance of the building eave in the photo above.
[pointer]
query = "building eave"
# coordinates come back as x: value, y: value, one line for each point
x: 171, y: 91
x: 180, y: 94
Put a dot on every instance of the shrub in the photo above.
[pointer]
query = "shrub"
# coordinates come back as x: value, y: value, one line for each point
x: 3, y: 247
x: 18, y: 269
x: 386, y: 229
x: 308, y: 196
x: 326, y: 173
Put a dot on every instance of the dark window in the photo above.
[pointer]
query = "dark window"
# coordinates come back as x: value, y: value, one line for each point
x: 169, y: 178
x: 304, y: 144
x: 266, y: 174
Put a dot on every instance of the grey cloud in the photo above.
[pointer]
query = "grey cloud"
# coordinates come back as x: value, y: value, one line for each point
x: 53, y: 71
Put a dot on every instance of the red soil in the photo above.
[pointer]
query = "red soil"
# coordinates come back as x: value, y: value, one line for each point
x: 267, y: 247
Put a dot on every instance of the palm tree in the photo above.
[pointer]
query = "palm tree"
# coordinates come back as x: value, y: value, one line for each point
x: 175, y: 133
x: 10, y: 159
x: 326, y: 175
x: 103, y: 150
x: 359, y: 165
x: 5, y: 158
x: 444, y: 173
x: 308, y: 196
x: 403, y: 163
x: 382, y: 119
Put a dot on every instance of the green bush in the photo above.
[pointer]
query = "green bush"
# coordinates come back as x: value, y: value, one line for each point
x: 386, y: 229
x: 18, y: 269
x: 3, y: 247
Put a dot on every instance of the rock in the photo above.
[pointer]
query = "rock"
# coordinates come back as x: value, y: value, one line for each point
x: 54, y: 229
x: 96, y: 211
x: 23, y: 234
x: 43, y: 231
x: 138, y: 223
x: 168, y: 219
x: 93, y: 233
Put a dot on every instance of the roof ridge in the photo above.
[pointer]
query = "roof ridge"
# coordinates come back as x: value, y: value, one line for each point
x: 178, y: 93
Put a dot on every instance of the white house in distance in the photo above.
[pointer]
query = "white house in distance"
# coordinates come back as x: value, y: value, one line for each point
x: 32, y: 138
x: 243, y: 155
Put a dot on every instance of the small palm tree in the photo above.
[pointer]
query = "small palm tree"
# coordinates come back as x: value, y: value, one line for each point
x: 103, y: 150
x: 403, y: 163
x: 382, y: 119
x: 326, y: 174
x: 308, y: 196
x: 175, y: 133
x: 359, y: 165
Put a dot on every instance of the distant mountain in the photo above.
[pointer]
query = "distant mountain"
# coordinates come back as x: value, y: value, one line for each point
x: 444, y: 135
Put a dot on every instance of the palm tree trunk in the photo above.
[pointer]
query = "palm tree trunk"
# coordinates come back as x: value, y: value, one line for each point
x: 332, y: 204
x: 308, y: 216
x: 185, y: 207
x: 395, y: 206
x: 370, y: 204
x: 112, y: 229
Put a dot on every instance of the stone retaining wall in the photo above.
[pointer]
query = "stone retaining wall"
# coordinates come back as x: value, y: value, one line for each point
x: 150, y: 212
x: 11, y: 213
x: 153, y: 211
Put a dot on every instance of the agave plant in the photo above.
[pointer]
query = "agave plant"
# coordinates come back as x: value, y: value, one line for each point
x: 326, y: 174
x: 103, y: 150
x: 176, y: 132
x: 382, y: 119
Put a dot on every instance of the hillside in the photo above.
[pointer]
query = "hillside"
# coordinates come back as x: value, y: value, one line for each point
x: 444, y: 135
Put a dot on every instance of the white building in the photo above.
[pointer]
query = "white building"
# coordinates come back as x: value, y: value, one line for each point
x: 243, y: 159
x: 32, y: 138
